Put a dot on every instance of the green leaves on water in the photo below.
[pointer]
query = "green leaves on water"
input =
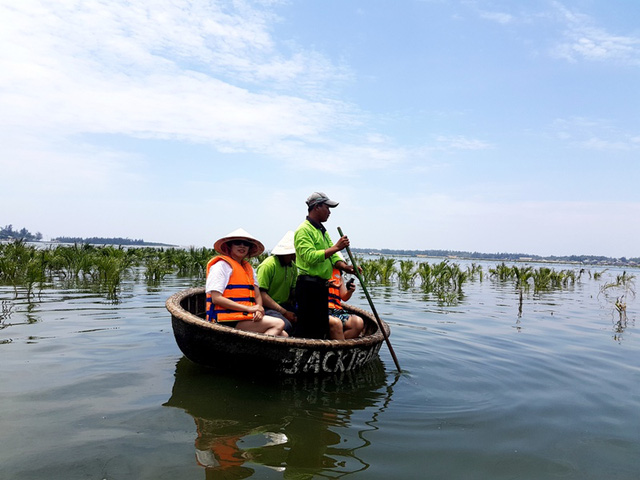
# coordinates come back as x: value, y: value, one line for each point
x: 444, y: 280
x: 102, y: 268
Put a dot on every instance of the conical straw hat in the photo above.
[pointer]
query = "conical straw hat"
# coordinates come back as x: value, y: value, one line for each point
x: 239, y: 234
x: 285, y: 245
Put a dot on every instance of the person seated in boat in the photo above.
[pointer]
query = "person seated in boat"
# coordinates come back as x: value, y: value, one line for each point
x: 277, y: 276
x: 233, y: 296
x: 342, y: 324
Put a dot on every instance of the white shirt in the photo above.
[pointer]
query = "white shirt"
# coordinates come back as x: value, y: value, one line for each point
x: 219, y: 276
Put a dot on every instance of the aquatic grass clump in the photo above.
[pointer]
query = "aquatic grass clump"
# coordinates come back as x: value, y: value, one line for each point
x: 386, y: 270
x: 407, y: 274
x: 100, y: 267
x: 72, y: 261
x: 522, y: 276
x: 445, y: 280
x: 545, y: 279
x: 22, y: 266
x: 156, y: 268
x: 502, y: 272
x: 448, y: 281
x: 104, y: 267
x: 474, y: 271
x: 369, y: 269
x: 617, y: 291
x: 381, y: 270
x: 192, y: 262
x: 109, y: 267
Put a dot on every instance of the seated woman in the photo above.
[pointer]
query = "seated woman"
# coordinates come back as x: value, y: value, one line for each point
x: 233, y: 296
x: 342, y: 325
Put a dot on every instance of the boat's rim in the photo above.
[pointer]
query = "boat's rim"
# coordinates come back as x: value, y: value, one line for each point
x: 176, y: 310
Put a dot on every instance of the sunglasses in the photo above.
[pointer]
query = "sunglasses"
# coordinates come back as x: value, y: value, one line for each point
x: 241, y: 242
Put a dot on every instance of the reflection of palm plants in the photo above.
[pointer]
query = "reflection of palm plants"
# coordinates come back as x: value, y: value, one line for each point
x: 6, y: 312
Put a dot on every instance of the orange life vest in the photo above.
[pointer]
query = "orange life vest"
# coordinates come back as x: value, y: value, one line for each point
x: 334, y: 284
x: 240, y: 289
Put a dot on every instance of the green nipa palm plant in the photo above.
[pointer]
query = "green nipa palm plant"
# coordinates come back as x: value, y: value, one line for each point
x: 407, y: 274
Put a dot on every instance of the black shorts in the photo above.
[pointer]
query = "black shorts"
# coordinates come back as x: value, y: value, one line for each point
x: 228, y: 324
x: 312, y: 295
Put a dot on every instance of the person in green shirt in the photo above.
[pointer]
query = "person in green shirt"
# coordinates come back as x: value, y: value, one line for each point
x: 316, y: 256
x: 277, y: 276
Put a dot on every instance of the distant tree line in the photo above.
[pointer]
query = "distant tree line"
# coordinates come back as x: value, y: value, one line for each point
x: 8, y: 233
x: 500, y: 256
x: 107, y: 241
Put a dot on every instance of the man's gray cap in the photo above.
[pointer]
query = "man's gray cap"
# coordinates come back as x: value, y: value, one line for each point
x: 318, y: 197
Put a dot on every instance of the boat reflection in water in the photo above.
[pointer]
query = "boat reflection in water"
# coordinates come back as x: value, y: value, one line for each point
x: 288, y: 424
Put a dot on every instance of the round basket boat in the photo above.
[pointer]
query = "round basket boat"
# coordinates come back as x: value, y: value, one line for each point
x: 219, y: 346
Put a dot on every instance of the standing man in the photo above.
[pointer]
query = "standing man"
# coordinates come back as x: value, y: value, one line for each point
x: 316, y: 256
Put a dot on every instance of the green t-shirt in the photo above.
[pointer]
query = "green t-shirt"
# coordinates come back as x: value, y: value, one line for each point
x: 310, y: 245
x: 277, y: 280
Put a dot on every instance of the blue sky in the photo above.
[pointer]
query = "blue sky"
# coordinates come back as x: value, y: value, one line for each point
x: 492, y: 126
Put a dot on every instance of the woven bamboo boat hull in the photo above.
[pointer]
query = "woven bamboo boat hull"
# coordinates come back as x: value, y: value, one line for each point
x: 218, y: 346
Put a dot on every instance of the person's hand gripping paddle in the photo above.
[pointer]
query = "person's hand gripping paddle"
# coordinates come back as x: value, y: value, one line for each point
x: 373, y: 308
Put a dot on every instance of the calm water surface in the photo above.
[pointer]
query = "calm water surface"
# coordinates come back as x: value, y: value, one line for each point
x: 92, y: 389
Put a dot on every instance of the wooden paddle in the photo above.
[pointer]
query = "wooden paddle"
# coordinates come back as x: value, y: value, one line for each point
x: 373, y: 308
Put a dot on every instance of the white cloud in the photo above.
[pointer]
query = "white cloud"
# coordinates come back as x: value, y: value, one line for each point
x: 459, y: 142
x: 153, y: 68
x: 594, y: 134
x: 208, y: 72
x: 584, y: 40
x: 499, y: 17
x: 62, y: 168
x: 342, y: 158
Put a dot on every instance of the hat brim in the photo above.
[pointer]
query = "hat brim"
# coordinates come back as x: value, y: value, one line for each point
x: 286, y: 245
x: 221, y: 244
x: 329, y: 203
x: 283, y: 251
